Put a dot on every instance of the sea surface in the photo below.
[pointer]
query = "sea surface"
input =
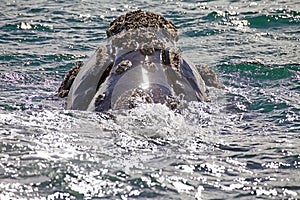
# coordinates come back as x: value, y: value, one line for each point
x: 244, y: 144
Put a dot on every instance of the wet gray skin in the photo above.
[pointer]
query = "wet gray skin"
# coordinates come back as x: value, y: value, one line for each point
x: 135, y: 65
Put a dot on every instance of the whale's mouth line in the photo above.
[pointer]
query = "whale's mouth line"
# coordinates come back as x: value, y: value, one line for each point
x: 104, y: 76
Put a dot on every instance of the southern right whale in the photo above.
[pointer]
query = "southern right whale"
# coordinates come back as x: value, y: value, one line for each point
x: 138, y: 63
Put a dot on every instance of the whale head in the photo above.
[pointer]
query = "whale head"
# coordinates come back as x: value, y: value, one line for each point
x: 138, y: 63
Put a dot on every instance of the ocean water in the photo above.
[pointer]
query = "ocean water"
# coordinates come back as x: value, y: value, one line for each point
x: 242, y: 145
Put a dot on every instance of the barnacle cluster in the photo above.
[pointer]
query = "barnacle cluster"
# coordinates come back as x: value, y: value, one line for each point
x: 141, y: 19
x: 142, y: 30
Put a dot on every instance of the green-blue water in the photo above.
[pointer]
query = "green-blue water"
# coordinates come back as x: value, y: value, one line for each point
x: 242, y: 145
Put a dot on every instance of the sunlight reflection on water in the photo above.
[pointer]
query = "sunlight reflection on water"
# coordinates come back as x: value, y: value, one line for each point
x: 242, y: 145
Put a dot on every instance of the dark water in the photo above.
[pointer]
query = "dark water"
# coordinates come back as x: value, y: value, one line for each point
x: 243, y: 145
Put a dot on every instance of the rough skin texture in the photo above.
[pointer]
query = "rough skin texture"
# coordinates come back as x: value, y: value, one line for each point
x: 141, y: 19
x: 65, y: 86
x: 209, y: 76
